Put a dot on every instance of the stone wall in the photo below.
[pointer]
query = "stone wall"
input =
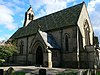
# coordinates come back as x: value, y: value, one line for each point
x: 56, y: 60
x: 60, y: 37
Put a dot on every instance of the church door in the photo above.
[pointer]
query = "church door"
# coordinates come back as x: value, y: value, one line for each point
x: 39, y: 56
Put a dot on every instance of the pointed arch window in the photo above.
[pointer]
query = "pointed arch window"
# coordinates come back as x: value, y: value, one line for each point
x: 66, y: 43
x: 87, y: 33
x: 21, y: 47
x: 32, y: 16
x: 29, y: 16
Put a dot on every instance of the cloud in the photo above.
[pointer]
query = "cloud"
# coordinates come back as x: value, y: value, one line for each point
x: 94, y: 12
x: 15, y: 5
x: 44, y: 7
x: 8, y: 12
x: 97, y: 31
x: 0, y: 30
x: 6, y: 17
x: 5, y: 37
x: 92, y: 5
x: 2, y: 2
x: 54, y: 5
x: 41, y: 13
x: 19, y: 2
x: 2, y: 38
x: 97, y: 28
x: 10, y: 18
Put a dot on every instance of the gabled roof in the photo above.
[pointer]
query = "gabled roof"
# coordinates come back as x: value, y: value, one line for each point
x: 49, y: 40
x: 60, y: 19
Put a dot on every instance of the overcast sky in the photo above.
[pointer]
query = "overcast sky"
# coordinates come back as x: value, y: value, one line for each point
x: 12, y: 13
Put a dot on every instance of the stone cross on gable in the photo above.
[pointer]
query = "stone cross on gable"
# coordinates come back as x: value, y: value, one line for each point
x: 39, y: 27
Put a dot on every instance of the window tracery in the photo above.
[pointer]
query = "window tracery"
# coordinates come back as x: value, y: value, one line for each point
x: 87, y: 33
x: 21, y: 47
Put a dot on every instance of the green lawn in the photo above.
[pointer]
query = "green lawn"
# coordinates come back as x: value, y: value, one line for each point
x: 98, y: 73
x: 69, y: 73
x: 17, y: 73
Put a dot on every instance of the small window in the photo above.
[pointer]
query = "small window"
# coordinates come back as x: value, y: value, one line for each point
x: 21, y: 47
x: 66, y: 43
x: 32, y: 16
x: 29, y: 16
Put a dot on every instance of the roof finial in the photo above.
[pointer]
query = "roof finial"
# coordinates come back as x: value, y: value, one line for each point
x: 83, y: 2
x: 30, y: 5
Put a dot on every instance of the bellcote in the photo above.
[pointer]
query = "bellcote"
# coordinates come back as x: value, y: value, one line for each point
x: 29, y: 16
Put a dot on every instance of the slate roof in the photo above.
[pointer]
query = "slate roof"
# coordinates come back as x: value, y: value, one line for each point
x: 60, y: 19
x: 49, y: 40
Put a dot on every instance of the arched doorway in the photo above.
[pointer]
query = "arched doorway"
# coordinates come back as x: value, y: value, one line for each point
x: 39, y: 56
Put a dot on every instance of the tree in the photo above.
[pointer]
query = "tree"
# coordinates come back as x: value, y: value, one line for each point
x: 6, y: 51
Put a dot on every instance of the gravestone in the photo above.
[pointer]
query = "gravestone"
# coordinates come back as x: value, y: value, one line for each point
x: 42, y: 72
x: 1, y: 71
x: 10, y: 71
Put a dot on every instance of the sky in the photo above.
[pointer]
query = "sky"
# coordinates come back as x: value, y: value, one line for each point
x: 12, y: 13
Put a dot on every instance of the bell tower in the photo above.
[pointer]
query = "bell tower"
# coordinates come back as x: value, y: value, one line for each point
x: 29, y: 16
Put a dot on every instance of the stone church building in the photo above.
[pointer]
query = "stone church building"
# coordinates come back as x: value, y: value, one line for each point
x: 61, y: 39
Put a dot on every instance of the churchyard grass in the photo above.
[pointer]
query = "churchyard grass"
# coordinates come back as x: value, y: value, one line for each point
x: 98, y: 73
x: 17, y: 73
x: 68, y: 73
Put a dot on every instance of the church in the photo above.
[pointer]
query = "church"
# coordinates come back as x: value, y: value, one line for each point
x: 61, y: 39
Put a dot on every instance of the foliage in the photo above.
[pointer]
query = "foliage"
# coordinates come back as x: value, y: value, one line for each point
x: 98, y: 73
x: 7, y: 51
x: 2, y: 60
x: 68, y: 73
x: 19, y: 73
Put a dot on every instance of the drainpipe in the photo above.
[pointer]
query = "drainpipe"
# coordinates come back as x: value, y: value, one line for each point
x: 78, y: 60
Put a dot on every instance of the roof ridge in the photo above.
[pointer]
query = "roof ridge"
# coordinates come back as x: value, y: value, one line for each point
x: 61, y: 10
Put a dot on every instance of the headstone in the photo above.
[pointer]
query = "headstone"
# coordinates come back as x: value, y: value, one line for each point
x: 42, y: 72
x: 10, y: 71
x: 28, y: 74
x: 1, y: 71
